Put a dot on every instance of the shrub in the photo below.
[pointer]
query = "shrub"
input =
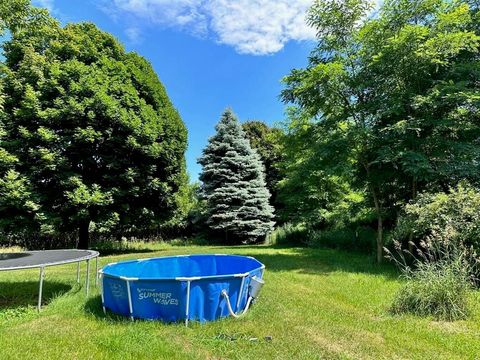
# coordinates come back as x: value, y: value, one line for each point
x: 340, y: 238
x: 361, y: 239
x: 288, y: 234
x: 456, y: 212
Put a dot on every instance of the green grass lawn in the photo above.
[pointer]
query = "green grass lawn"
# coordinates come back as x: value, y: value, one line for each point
x: 315, y: 304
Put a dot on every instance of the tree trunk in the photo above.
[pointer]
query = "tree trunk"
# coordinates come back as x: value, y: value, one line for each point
x: 379, y: 239
x: 414, y: 188
x: 410, y: 235
x: 378, y: 209
x: 83, y: 234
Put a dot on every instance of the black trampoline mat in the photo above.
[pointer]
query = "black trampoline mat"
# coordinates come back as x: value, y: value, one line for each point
x: 34, y: 259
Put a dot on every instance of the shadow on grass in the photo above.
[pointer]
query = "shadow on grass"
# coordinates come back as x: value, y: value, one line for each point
x: 300, y: 259
x: 113, y: 247
x: 315, y: 260
x: 25, y: 293
x: 123, y: 251
x: 93, y: 306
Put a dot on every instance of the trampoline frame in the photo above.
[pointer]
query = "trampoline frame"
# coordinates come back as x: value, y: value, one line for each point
x: 92, y: 255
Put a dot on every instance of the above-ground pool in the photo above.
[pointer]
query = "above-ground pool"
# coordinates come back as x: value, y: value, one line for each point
x: 191, y: 287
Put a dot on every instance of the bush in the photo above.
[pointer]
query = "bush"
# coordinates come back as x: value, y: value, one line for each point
x: 456, y: 212
x: 341, y: 238
x: 361, y: 239
x: 288, y: 234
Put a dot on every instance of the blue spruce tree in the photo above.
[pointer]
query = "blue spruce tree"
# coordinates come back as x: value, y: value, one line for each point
x: 234, y: 185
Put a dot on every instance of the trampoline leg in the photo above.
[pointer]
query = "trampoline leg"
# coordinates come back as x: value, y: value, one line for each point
x: 78, y: 272
x: 96, y: 271
x: 40, y: 290
x: 87, y: 280
x: 103, y: 298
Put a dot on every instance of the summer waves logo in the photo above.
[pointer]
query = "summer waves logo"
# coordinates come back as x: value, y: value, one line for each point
x: 162, y: 298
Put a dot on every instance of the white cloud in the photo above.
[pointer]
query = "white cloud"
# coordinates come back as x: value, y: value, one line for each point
x: 133, y: 34
x: 48, y: 4
x: 256, y: 27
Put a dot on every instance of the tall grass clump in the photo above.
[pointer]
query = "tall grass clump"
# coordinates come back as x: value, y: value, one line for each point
x: 436, y: 242
x: 439, y: 276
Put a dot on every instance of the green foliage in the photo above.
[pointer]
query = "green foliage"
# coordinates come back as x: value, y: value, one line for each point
x: 90, y: 129
x: 317, y: 169
x: 234, y: 185
x: 454, y: 215
x: 267, y: 142
x: 188, y: 213
x: 397, y: 92
x: 288, y: 234
x: 17, y: 206
x: 13, y: 14
x: 198, y: 211
x: 360, y: 239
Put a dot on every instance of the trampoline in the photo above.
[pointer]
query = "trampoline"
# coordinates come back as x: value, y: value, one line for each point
x: 45, y: 258
x: 182, y: 288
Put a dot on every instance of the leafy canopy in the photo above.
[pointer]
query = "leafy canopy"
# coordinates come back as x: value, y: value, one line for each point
x: 399, y: 91
x: 267, y: 142
x: 90, y: 138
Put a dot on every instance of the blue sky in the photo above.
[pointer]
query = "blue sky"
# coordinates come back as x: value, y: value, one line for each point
x: 210, y: 54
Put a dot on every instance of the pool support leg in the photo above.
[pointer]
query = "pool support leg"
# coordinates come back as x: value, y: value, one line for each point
x: 87, y: 280
x: 40, y: 290
x: 240, y: 292
x: 130, y: 306
x: 188, y: 303
x: 78, y: 272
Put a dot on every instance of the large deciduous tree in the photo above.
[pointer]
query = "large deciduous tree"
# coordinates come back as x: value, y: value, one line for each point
x: 234, y: 185
x: 267, y: 141
x: 91, y: 135
x: 404, y: 86
x: 317, y: 170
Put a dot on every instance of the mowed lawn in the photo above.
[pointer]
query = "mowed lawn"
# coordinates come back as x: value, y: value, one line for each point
x: 316, y: 304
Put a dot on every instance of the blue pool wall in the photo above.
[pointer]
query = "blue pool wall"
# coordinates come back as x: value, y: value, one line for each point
x: 161, y: 288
